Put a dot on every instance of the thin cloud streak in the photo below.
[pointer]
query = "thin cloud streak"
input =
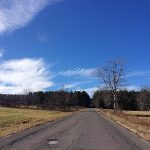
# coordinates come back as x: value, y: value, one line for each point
x: 42, y: 37
x: 132, y: 88
x: 75, y: 84
x: 2, y: 51
x: 137, y: 73
x: 90, y: 91
x: 78, y: 72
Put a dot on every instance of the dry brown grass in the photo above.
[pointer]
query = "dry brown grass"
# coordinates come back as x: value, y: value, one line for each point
x: 136, y: 121
x: 13, y: 120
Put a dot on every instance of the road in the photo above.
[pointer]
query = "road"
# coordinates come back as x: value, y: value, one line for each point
x: 85, y: 130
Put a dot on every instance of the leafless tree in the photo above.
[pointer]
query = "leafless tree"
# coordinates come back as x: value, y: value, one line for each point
x: 112, y: 75
x: 27, y: 97
x: 27, y: 91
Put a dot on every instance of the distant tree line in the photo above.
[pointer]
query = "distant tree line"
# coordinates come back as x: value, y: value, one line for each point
x: 127, y: 100
x: 48, y: 100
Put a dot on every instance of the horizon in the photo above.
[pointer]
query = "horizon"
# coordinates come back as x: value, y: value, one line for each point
x: 49, y: 43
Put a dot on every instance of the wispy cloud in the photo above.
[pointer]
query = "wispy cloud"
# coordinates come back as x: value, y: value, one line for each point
x: 42, y: 37
x: 132, y: 88
x: 2, y: 51
x: 90, y: 91
x: 15, y: 14
x: 78, y: 72
x: 137, y: 73
x: 72, y: 85
x: 21, y: 74
x: 75, y: 84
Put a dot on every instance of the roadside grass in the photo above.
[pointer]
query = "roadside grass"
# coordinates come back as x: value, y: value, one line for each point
x: 136, y: 121
x: 13, y: 120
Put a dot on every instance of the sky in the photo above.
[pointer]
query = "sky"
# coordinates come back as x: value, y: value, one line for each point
x: 47, y: 44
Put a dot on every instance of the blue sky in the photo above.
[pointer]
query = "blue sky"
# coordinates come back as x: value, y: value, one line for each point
x: 45, y: 44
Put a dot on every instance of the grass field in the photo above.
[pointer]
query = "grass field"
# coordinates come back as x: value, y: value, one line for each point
x: 13, y: 120
x: 136, y: 121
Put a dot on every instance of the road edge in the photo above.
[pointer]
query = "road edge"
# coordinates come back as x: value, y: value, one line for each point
x: 108, y: 118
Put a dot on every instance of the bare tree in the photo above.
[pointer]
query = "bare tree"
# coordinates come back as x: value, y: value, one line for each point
x: 112, y: 76
x: 27, y: 93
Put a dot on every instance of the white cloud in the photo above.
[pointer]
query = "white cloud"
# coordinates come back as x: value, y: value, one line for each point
x: 41, y: 37
x: 137, y: 73
x: 75, y: 84
x: 78, y: 72
x: 69, y: 86
x: 132, y: 88
x: 15, y: 14
x: 21, y: 74
x: 1, y: 52
x: 90, y: 91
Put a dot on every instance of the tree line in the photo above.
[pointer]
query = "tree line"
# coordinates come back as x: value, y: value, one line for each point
x: 47, y: 100
x: 127, y: 100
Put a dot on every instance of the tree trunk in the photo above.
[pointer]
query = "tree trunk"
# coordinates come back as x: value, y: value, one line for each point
x: 114, y: 101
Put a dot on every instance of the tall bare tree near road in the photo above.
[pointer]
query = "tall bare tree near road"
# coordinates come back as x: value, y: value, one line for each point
x: 111, y: 75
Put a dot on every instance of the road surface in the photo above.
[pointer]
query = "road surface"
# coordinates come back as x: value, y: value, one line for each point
x: 85, y: 130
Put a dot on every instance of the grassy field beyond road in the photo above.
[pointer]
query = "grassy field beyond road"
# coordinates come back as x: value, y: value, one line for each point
x: 13, y: 120
x: 136, y: 121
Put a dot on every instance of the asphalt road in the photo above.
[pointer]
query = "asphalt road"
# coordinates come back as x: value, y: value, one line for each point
x: 86, y: 130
